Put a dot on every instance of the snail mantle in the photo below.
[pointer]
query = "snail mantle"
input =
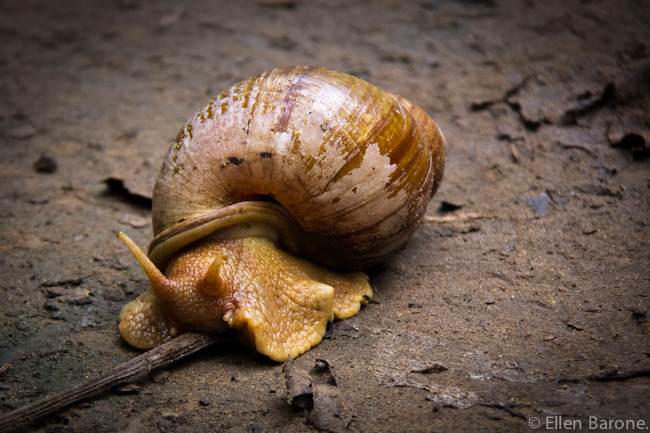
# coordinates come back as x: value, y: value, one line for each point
x: 272, y: 199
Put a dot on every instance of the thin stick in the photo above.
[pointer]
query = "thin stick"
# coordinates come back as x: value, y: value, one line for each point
x: 165, y: 354
x: 462, y: 217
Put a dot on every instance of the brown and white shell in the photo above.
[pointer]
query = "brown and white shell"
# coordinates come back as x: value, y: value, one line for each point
x: 341, y: 170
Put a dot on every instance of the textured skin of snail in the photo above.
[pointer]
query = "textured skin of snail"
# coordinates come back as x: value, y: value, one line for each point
x: 295, y: 162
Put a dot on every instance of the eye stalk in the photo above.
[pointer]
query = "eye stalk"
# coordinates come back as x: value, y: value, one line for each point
x: 156, y: 277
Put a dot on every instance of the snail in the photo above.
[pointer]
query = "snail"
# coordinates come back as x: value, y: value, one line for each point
x: 272, y: 200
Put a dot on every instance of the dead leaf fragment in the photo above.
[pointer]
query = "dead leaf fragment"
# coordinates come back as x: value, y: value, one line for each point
x: 298, y: 382
x: 172, y: 18
x: 133, y: 220
x: 331, y: 411
x: 316, y: 391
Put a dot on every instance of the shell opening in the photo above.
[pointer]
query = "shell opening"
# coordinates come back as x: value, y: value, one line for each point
x: 266, y: 213
x: 246, y: 230
x: 268, y: 198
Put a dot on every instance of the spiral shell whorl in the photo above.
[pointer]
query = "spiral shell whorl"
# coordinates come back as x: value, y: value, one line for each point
x: 330, y: 161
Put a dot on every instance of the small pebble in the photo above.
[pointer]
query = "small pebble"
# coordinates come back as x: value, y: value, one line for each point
x: 45, y: 164
x: 87, y: 321
x: 539, y: 204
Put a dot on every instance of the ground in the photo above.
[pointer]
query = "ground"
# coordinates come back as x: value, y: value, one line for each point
x: 523, y: 297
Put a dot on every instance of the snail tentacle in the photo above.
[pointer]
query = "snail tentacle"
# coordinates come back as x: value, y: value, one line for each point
x: 156, y: 277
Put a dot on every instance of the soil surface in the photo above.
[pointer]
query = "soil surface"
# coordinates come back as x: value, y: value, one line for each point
x: 523, y: 298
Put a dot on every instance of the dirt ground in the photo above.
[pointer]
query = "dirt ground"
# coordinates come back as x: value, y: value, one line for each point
x: 524, y: 298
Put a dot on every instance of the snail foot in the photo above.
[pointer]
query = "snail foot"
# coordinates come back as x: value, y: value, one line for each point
x: 281, y: 304
x: 142, y: 323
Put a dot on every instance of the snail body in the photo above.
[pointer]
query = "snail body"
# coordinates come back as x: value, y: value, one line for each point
x: 266, y: 190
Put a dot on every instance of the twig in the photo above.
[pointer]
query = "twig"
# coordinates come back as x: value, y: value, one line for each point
x: 578, y: 146
x: 5, y: 368
x: 456, y: 218
x: 507, y: 408
x: 165, y: 354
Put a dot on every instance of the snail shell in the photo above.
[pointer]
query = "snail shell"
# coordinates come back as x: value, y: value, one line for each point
x: 342, y: 170
x: 324, y: 164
